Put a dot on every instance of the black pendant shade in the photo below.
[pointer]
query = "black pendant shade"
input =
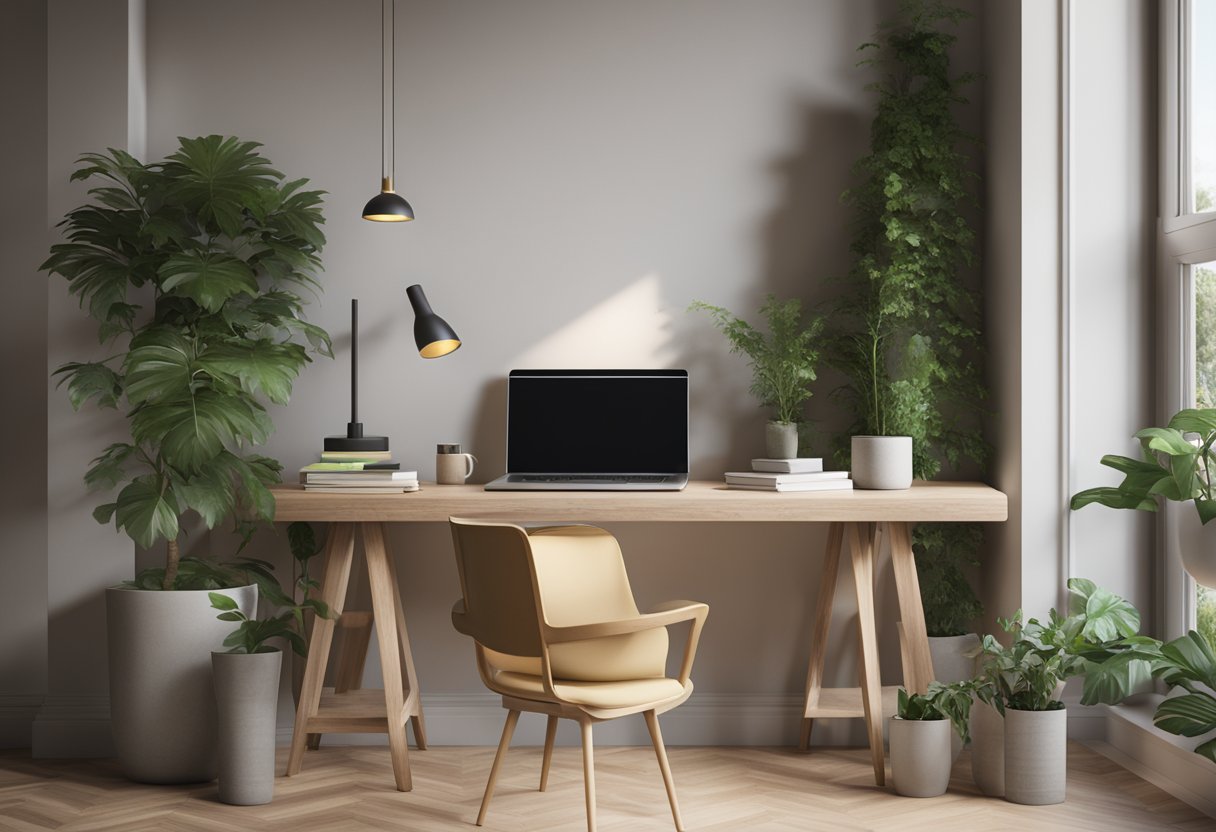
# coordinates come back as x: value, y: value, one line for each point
x: 388, y: 206
x: 432, y: 334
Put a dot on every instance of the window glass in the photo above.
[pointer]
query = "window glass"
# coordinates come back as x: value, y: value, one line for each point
x: 1203, y: 276
x: 1202, y: 115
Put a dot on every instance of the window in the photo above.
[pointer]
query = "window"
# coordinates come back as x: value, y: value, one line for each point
x: 1187, y: 257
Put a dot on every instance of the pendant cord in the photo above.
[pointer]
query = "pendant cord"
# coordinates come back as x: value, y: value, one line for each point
x: 392, y: 68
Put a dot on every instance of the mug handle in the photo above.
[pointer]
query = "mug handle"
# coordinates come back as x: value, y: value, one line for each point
x: 469, y: 460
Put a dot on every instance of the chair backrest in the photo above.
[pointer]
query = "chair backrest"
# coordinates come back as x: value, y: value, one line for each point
x: 580, y: 578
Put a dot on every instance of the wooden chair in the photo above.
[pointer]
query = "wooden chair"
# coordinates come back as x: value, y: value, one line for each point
x: 557, y: 632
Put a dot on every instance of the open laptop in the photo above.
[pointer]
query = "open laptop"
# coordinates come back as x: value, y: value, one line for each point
x: 596, y: 430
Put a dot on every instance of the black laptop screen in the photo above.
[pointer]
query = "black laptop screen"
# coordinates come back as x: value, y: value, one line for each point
x: 597, y: 422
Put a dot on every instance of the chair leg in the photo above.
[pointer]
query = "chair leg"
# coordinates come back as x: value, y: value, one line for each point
x: 507, y: 731
x: 652, y: 722
x: 588, y: 775
x: 550, y: 735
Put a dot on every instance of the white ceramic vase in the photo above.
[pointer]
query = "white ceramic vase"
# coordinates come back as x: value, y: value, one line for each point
x: 988, y: 749
x: 1036, y: 756
x: 1196, y: 543
x: 781, y: 440
x: 882, y: 463
x: 162, y: 706
x: 920, y: 756
x: 246, y: 698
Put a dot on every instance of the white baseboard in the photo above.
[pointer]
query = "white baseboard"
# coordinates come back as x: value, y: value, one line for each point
x: 17, y: 712
x: 73, y: 726
x: 1165, y: 760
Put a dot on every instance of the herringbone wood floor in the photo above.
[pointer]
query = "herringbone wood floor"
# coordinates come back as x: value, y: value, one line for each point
x: 351, y: 790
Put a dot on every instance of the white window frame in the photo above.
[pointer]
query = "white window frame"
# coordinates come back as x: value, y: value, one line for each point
x: 1183, y: 239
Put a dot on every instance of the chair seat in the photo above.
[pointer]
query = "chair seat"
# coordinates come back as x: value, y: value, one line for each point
x: 627, y: 693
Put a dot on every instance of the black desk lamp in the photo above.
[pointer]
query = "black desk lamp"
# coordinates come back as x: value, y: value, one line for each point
x: 434, y: 338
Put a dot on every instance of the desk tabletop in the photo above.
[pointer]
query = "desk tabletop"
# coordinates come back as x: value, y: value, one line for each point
x: 701, y: 501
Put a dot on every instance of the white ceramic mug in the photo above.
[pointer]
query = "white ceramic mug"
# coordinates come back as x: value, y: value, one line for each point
x: 451, y: 466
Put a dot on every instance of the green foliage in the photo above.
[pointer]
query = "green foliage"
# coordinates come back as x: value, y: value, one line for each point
x: 943, y: 552
x: 1205, y: 335
x: 783, y: 363
x: 221, y: 246
x: 1174, y: 466
x: 1205, y: 612
x: 1188, y: 663
x: 287, y: 619
x: 940, y: 701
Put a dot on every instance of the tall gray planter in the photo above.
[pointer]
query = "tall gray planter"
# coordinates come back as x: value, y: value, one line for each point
x: 1036, y: 756
x: 247, y: 698
x: 162, y: 706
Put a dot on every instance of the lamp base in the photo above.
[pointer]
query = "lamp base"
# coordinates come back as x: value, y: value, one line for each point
x: 356, y: 443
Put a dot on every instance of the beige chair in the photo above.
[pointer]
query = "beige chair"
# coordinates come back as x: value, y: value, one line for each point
x: 557, y: 632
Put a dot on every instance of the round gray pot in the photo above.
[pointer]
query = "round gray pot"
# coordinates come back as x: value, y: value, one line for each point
x: 1036, y: 756
x: 920, y: 756
x: 781, y: 440
x: 162, y: 707
x: 246, y: 698
x: 988, y: 749
x: 882, y: 463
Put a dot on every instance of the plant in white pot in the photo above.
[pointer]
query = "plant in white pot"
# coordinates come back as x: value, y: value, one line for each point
x: 192, y: 267
x: 783, y: 364
x: 920, y: 736
x: 1175, y: 466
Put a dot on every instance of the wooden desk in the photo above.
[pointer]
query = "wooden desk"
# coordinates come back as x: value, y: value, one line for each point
x: 855, y: 518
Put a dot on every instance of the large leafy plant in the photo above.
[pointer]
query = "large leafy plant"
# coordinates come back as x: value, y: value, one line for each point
x: 1175, y: 465
x: 783, y: 362
x: 1188, y: 663
x: 905, y: 330
x: 193, y: 268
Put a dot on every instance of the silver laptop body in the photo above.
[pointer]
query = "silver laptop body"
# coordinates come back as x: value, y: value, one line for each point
x: 596, y: 430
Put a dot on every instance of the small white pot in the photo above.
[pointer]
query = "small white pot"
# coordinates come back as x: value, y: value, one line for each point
x: 920, y: 756
x: 1036, y: 756
x: 988, y: 749
x: 781, y: 440
x: 246, y: 699
x: 882, y: 463
x: 1196, y: 542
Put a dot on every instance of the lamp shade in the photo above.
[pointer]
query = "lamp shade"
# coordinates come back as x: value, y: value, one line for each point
x: 431, y: 333
x: 388, y: 206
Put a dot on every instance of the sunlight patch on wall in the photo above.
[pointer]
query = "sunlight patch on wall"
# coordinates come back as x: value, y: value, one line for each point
x: 631, y: 329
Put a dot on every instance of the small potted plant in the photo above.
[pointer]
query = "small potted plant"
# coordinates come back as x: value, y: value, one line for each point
x: 921, y: 755
x: 1175, y: 466
x: 246, y: 677
x: 194, y: 269
x: 783, y: 364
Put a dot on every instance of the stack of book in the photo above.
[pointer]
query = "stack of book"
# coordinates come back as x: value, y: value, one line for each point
x: 357, y: 472
x: 801, y: 474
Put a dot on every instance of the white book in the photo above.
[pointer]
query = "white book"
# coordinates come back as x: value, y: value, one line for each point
x: 362, y: 489
x: 358, y: 477
x: 760, y: 478
x: 801, y: 465
x: 822, y: 485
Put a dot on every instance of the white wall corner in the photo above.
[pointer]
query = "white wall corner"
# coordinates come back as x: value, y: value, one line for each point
x: 74, y: 727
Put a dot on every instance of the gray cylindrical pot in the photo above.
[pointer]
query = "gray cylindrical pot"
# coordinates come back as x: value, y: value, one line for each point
x: 988, y: 749
x: 246, y: 698
x: 162, y: 707
x: 882, y: 463
x: 920, y: 756
x: 781, y: 440
x: 1036, y: 756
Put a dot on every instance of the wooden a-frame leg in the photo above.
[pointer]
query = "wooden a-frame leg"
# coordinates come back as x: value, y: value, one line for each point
x: 918, y: 663
x: 507, y: 730
x: 384, y: 608
x: 550, y: 736
x: 861, y: 543
x: 409, y: 676
x: 339, y: 552
x: 656, y: 737
x: 819, y: 630
x: 588, y: 774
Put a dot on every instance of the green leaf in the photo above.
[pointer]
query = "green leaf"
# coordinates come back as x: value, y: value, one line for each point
x: 1207, y: 749
x: 261, y: 366
x: 1112, y: 681
x: 232, y: 616
x: 1108, y: 617
x: 1166, y: 440
x: 90, y: 380
x: 1192, y: 655
x: 192, y: 432
x: 222, y: 602
x: 1194, y: 420
x: 1111, y: 498
x: 147, y: 512
x: 209, y: 492
x: 1188, y: 715
x: 104, y: 512
x: 209, y: 279
x: 109, y: 469
x: 302, y: 540
x: 160, y: 368
x: 1206, y: 509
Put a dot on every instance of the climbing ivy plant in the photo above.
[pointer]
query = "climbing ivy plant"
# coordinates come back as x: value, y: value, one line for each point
x: 193, y: 269
x: 906, y: 328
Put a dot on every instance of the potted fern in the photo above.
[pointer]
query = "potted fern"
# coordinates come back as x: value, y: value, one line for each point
x: 921, y: 747
x: 192, y: 268
x: 782, y: 363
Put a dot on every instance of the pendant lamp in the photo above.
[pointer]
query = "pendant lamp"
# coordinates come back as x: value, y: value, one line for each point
x: 388, y: 205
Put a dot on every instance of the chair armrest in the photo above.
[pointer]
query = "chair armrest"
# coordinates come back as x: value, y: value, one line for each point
x: 665, y: 614
x: 459, y: 614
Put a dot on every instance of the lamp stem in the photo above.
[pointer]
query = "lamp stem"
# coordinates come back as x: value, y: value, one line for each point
x: 354, y: 429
